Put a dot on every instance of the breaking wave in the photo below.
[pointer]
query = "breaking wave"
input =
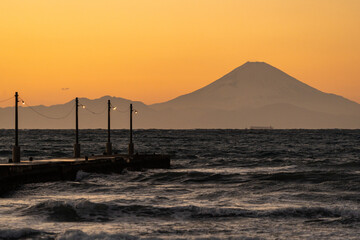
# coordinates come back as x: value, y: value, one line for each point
x: 84, y: 210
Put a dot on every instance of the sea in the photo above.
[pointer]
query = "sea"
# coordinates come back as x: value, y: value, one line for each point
x: 222, y: 184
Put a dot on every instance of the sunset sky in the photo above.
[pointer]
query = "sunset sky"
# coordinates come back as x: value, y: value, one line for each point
x: 154, y: 50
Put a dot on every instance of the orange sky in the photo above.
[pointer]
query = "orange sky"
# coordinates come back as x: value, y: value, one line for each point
x: 155, y: 50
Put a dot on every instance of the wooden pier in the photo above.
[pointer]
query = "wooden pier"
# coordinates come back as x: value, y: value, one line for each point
x: 18, y: 172
x: 13, y: 174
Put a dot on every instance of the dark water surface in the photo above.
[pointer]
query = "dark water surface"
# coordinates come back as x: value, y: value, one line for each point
x: 238, y: 184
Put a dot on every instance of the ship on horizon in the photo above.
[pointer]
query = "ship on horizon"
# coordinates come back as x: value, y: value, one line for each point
x: 261, y: 128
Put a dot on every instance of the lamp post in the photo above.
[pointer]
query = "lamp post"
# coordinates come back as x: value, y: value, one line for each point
x: 131, y: 144
x: 16, y: 148
x: 108, y: 144
x: 76, y: 145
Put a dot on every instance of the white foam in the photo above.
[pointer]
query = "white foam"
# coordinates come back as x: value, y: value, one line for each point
x: 81, y: 175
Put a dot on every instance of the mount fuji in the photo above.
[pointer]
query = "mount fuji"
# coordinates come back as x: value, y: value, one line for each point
x: 257, y: 93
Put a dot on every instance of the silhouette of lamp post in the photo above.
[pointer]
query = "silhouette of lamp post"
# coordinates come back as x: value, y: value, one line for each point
x: 77, y: 145
x: 16, y: 148
x: 108, y: 144
x: 131, y: 144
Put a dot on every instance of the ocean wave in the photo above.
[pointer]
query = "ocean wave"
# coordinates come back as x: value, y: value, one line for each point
x: 292, y: 212
x: 70, y: 210
x: 189, y: 176
x: 80, y: 235
x: 84, y: 210
x: 316, y: 176
x: 24, y: 233
x: 315, y: 212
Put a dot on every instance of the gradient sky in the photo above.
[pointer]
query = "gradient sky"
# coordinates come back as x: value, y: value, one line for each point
x: 154, y: 50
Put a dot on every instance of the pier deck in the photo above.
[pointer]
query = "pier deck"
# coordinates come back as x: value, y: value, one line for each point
x: 12, y: 174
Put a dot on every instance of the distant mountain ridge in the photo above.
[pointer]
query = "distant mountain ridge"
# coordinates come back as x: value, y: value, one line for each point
x: 257, y: 84
x: 255, y: 93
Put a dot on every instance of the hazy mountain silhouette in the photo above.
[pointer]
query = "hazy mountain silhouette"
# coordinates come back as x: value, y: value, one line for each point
x: 252, y: 94
x: 257, y: 84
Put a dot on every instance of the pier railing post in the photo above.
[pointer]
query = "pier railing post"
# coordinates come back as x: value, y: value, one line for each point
x: 108, y: 144
x: 77, y: 145
x: 16, y: 148
x: 131, y: 145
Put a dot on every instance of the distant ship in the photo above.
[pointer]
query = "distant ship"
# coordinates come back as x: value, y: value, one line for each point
x: 261, y: 127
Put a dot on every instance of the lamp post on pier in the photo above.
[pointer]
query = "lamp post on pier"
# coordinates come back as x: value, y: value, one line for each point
x: 131, y: 144
x: 76, y: 145
x: 16, y: 148
x: 108, y: 144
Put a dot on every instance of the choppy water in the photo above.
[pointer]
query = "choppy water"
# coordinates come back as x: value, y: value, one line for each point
x: 278, y: 184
